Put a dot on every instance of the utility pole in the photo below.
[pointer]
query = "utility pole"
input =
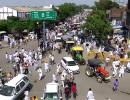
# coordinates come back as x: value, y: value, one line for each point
x: 44, y: 33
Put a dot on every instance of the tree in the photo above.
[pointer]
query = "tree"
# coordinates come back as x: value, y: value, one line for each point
x: 12, y: 18
x: 3, y: 26
x: 98, y: 24
x: 67, y: 10
x: 105, y: 4
x: 29, y: 25
x: 83, y: 6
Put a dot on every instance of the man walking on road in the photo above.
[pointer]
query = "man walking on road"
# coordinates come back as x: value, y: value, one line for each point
x: 121, y: 70
x: 115, y: 85
x: 40, y: 73
x: 46, y: 65
x: 90, y: 95
x: 66, y: 91
x: 74, y: 90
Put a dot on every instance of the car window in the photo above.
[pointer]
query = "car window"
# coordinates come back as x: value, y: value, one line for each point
x: 22, y: 84
x: 25, y: 79
x: 18, y: 88
x: 50, y: 96
x: 7, y: 90
x: 71, y: 63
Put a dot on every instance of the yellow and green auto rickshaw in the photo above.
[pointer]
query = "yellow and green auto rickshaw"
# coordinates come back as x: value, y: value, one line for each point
x: 77, y: 54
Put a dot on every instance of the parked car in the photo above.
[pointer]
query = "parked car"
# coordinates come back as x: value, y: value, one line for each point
x: 15, y: 88
x: 95, y: 69
x: 52, y: 92
x: 70, y: 65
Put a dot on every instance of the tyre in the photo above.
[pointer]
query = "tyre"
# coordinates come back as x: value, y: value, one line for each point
x: 89, y: 72
x: 99, y: 79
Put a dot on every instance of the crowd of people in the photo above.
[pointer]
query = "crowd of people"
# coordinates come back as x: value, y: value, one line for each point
x: 24, y: 61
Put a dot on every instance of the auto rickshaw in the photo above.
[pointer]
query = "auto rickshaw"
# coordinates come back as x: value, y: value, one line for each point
x: 69, y: 44
x: 77, y: 54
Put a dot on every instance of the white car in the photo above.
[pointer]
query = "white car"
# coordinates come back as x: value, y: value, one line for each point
x: 14, y: 88
x: 70, y: 65
x: 52, y: 92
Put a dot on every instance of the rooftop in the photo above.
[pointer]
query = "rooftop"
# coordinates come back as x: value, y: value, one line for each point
x: 68, y: 58
x: 52, y: 87
x: 15, y: 80
x: 28, y: 9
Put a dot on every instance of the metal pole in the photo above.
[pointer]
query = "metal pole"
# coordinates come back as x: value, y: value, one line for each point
x: 44, y: 34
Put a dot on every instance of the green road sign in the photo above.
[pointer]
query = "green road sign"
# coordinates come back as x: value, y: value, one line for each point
x: 43, y: 15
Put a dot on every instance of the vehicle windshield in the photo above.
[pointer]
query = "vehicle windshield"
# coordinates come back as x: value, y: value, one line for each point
x: 71, y: 63
x: 7, y: 90
x: 58, y: 40
x: 51, y: 96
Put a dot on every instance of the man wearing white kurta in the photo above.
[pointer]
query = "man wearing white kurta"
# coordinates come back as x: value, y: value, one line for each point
x: 90, y: 95
x: 114, y: 65
x: 122, y: 71
x: 46, y: 65
x: 54, y: 77
x: 40, y: 73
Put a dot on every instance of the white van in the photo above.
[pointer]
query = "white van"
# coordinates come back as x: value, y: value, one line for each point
x: 14, y: 88
x: 52, y: 92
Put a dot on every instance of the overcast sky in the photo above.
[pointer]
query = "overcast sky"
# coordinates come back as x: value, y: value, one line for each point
x: 42, y: 2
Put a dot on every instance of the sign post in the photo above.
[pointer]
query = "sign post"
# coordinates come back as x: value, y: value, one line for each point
x: 44, y: 34
x: 43, y: 15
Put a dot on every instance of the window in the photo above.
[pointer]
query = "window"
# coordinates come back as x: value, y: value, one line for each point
x: 25, y: 79
x: 50, y: 96
x: 17, y: 88
x: 71, y: 63
x: 22, y: 84
x: 7, y: 90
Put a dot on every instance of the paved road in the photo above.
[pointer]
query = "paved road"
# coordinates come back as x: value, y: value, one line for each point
x: 101, y: 91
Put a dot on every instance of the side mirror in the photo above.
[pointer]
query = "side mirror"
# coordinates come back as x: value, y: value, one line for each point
x: 16, y: 93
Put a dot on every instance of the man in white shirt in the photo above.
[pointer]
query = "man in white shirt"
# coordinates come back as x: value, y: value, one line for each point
x: 52, y: 60
x: 40, y: 73
x: 7, y: 57
x: 46, y: 65
x: 107, y: 60
x: 121, y: 71
x: 115, y: 65
x: 90, y: 95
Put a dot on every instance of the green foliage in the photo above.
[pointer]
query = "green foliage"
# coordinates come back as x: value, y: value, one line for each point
x: 14, y: 25
x: 105, y: 4
x: 83, y: 6
x: 68, y: 9
x: 3, y: 26
x: 98, y: 24
x: 12, y: 18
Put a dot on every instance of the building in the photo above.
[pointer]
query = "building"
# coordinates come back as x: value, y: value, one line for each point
x: 128, y: 14
x: 6, y: 11
x: 22, y: 12
x: 115, y: 14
